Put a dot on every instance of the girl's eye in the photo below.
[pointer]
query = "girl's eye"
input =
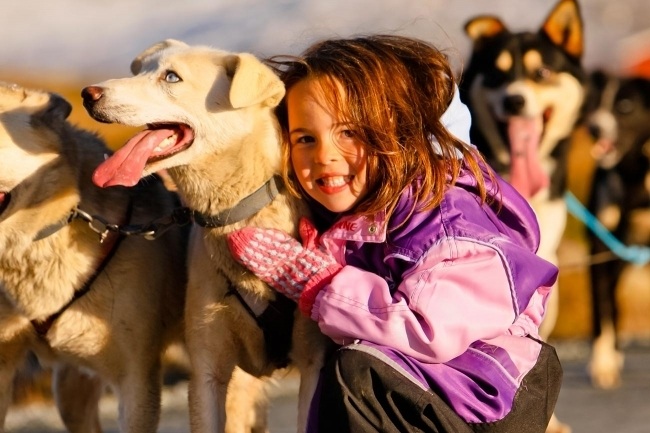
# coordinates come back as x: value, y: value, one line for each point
x: 348, y: 133
x: 304, y: 139
x: 172, y: 77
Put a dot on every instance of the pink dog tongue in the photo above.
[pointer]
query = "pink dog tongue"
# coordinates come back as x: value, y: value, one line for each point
x: 125, y: 166
x: 526, y: 173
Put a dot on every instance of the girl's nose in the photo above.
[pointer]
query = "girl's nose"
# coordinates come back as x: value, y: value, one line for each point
x: 326, y: 151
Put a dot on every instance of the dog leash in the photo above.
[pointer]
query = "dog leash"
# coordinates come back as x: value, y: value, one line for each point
x: 637, y: 254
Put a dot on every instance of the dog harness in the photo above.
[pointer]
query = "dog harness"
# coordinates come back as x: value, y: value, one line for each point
x: 43, y: 326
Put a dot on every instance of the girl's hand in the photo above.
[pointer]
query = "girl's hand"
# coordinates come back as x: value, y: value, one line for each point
x: 297, y: 271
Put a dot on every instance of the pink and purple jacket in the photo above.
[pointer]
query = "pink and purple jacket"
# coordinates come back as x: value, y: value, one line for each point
x: 448, y: 296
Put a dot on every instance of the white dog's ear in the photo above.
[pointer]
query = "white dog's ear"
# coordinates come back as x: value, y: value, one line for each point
x: 253, y: 82
x: 136, y: 64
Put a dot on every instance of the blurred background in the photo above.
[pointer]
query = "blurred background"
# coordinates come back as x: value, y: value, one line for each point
x: 64, y: 45
x: 94, y: 38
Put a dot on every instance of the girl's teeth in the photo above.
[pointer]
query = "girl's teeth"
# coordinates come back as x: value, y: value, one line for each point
x: 335, y: 181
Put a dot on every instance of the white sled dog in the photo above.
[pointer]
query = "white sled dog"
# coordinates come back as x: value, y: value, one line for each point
x: 97, y: 304
x: 209, y: 121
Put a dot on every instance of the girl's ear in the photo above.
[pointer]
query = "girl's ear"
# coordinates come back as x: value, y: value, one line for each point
x: 253, y: 82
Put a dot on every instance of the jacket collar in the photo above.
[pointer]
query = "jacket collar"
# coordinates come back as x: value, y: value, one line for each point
x: 360, y: 228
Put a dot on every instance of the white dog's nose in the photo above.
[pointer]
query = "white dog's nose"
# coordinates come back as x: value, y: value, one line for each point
x: 91, y: 94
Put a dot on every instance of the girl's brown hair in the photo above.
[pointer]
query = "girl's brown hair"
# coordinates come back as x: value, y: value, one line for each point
x: 394, y: 91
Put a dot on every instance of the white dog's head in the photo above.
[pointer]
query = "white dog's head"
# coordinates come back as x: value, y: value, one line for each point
x: 195, y: 101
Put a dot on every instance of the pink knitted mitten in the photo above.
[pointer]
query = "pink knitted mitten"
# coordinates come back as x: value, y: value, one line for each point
x: 283, y: 263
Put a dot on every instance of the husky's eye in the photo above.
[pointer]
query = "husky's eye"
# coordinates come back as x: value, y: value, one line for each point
x: 624, y: 106
x: 543, y: 73
x: 172, y: 77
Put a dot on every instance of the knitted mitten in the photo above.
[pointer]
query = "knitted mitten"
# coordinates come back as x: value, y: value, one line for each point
x: 279, y: 260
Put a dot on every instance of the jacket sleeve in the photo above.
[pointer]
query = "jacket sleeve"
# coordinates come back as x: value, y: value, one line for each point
x: 442, y: 305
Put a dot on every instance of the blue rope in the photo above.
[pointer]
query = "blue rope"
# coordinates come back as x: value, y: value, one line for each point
x: 637, y: 254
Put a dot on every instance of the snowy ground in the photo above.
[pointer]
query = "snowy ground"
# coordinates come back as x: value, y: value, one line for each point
x: 587, y: 410
x: 43, y: 417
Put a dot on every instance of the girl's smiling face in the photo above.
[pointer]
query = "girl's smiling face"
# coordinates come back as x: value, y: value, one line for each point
x: 328, y: 159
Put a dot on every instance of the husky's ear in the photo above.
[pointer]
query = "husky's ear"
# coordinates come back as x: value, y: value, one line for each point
x: 563, y: 27
x: 136, y: 64
x: 484, y: 27
x: 57, y: 110
x: 253, y: 82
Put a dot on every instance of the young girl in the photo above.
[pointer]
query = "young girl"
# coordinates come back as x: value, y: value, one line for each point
x: 423, y: 267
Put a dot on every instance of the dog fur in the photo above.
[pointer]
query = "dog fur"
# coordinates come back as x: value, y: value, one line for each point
x: 619, y: 109
x: 211, y: 113
x: 115, y: 332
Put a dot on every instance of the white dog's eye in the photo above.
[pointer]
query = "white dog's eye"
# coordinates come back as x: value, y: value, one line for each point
x: 171, y: 77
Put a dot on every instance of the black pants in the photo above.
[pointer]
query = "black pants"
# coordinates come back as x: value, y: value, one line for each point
x: 361, y: 393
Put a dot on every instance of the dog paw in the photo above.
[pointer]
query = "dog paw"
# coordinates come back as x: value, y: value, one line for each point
x: 605, y: 369
x: 605, y: 375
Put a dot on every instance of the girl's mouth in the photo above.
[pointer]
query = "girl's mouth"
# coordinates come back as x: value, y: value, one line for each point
x: 334, y: 181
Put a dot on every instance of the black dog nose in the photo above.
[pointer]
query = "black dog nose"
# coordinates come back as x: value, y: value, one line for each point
x: 595, y: 131
x: 91, y: 94
x: 514, y: 104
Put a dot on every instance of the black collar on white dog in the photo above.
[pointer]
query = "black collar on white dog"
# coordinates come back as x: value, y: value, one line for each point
x: 246, y: 208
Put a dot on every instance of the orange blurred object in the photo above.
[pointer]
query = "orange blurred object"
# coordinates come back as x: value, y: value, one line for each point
x: 635, y: 54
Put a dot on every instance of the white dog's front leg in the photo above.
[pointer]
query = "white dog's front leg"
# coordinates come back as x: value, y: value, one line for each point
x: 234, y: 405
x: 309, y: 357
x: 207, y: 341
x: 139, y: 394
x: 208, y: 384
x: 207, y: 403
x: 308, y: 383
